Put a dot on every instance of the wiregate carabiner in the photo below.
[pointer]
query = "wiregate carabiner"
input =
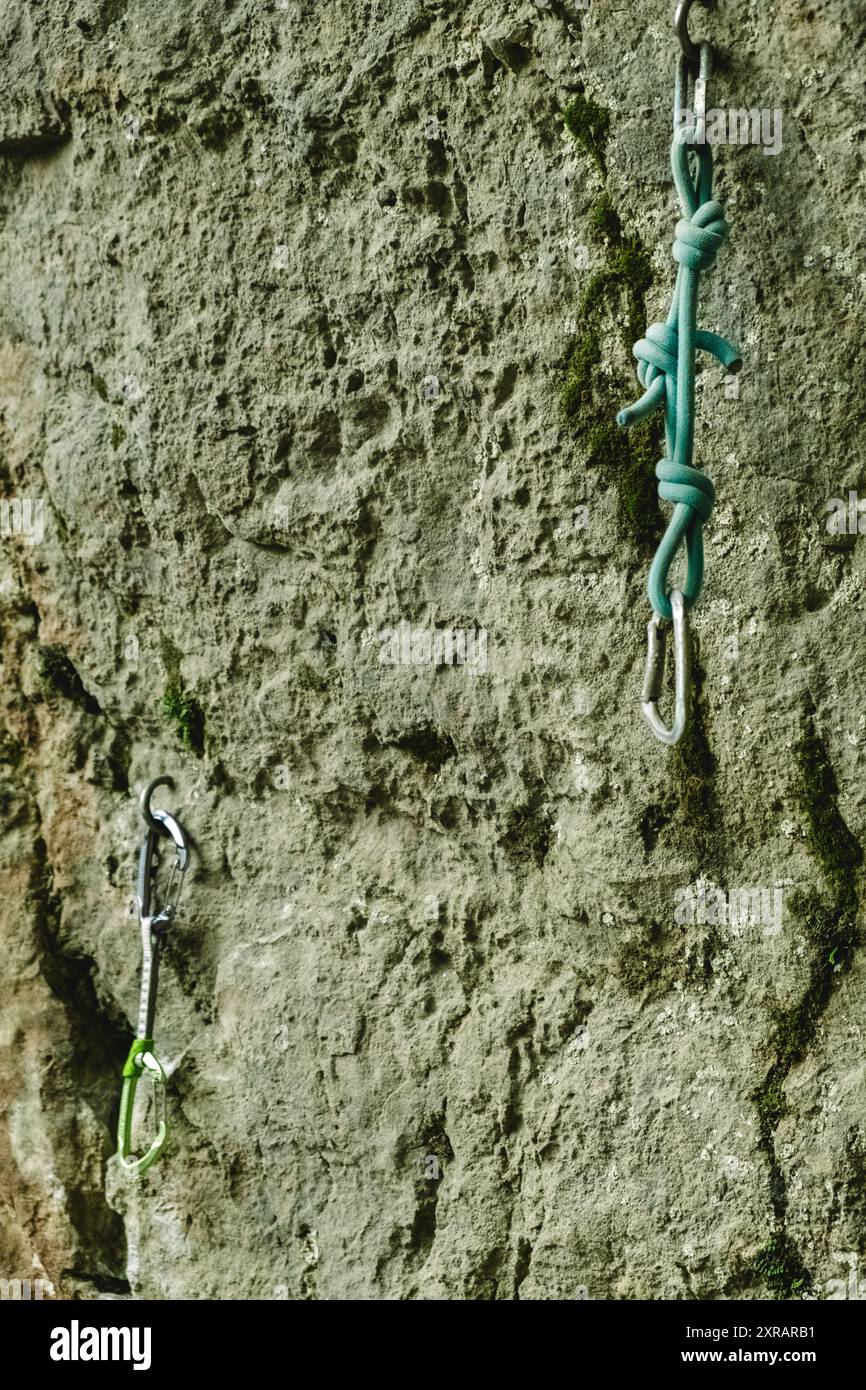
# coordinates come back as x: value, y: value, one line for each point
x: 655, y: 670
x: 154, y: 925
x: 161, y: 824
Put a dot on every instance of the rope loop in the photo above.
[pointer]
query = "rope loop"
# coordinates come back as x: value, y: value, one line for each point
x: 666, y: 363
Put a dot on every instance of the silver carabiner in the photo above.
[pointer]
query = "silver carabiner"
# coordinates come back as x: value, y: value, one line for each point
x: 173, y: 888
x: 160, y: 825
x: 657, y: 631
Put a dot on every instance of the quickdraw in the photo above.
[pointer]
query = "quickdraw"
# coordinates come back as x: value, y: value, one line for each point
x: 666, y: 371
x: 154, y: 925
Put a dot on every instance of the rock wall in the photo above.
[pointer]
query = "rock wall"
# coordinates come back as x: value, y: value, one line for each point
x: 314, y: 321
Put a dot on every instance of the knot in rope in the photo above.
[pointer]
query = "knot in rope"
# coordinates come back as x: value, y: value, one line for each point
x: 686, y: 487
x: 699, y: 239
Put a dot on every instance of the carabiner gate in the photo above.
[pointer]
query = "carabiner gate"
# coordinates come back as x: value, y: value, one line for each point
x: 162, y: 823
x: 655, y: 671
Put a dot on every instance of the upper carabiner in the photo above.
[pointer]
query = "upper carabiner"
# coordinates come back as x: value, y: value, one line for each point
x: 160, y: 823
x: 691, y: 50
x: 148, y: 815
x: 177, y: 834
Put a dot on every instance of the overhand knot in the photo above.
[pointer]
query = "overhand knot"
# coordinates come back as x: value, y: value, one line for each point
x: 681, y: 483
x: 700, y: 237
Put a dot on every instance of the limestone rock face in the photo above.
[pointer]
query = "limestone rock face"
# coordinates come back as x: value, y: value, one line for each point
x: 314, y: 321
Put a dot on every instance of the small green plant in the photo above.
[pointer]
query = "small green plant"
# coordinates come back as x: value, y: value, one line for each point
x: 187, y: 715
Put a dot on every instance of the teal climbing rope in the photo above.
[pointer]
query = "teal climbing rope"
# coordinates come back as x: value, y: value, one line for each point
x: 666, y: 356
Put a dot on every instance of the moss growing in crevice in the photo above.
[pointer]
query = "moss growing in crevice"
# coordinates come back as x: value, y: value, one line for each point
x: 630, y: 461
x: 590, y: 397
x: 626, y: 276
x: 652, y: 823
x: 187, y: 715
x: 831, y: 928
x: 579, y: 389
x: 837, y: 851
x: 588, y: 124
x: 771, y: 1104
x: 428, y: 744
x: 604, y: 220
x: 309, y: 678
x: 528, y: 832
x: 11, y: 750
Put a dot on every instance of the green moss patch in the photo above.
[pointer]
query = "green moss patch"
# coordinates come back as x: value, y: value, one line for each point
x: 588, y: 124
x: 590, y: 396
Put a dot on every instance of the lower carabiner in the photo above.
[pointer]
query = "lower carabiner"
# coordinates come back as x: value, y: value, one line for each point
x: 140, y: 1059
x: 655, y: 670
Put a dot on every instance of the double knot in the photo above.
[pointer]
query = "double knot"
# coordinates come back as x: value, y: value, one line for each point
x: 657, y: 353
x: 700, y: 237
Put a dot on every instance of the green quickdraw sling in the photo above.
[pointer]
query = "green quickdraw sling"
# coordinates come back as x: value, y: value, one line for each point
x: 154, y: 926
x: 666, y: 371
